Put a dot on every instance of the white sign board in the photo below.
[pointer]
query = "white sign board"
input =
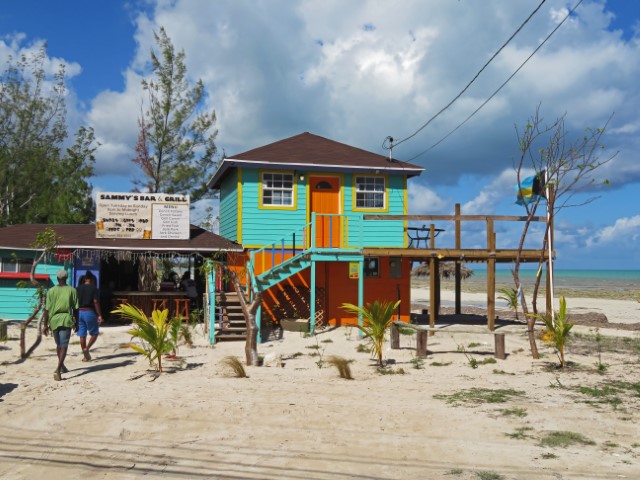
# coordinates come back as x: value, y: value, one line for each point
x: 142, y: 215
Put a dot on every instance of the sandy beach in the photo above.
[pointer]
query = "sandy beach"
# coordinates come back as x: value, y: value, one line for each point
x: 438, y: 418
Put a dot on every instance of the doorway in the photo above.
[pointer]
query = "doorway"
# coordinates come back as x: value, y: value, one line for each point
x: 325, y: 202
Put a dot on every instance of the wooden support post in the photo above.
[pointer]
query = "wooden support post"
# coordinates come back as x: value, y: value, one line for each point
x: 499, y: 346
x: 458, y: 263
x: 395, y: 336
x: 432, y: 293
x: 491, y: 276
x: 438, y: 288
x: 421, y: 346
x: 549, y: 308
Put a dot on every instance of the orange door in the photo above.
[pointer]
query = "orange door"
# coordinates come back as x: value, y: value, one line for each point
x: 325, y: 202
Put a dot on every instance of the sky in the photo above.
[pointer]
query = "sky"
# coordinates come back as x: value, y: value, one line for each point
x: 358, y: 71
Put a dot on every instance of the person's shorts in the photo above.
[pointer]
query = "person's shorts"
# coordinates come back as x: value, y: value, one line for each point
x: 62, y: 335
x: 87, y: 322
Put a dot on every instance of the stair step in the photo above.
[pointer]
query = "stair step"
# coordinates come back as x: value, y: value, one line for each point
x: 238, y: 316
x: 235, y: 325
x: 231, y: 331
x: 231, y: 337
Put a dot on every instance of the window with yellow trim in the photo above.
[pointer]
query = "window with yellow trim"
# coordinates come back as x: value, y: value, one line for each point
x: 277, y: 189
x: 370, y: 192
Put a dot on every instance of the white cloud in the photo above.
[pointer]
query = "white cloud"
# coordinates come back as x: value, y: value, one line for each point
x: 495, y: 192
x: 114, y: 117
x: 625, y: 230
x: 423, y: 200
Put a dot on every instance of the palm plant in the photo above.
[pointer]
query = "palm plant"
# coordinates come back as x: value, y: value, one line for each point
x: 377, y: 318
x: 158, y: 335
x: 558, y: 329
x: 510, y: 295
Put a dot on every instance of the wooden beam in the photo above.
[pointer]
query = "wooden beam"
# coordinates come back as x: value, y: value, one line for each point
x: 452, y: 254
x: 453, y: 218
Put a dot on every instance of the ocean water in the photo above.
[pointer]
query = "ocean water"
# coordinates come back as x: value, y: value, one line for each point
x: 574, y: 279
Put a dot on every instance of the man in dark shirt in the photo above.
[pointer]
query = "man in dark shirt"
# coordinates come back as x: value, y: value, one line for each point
x: 90, y: 315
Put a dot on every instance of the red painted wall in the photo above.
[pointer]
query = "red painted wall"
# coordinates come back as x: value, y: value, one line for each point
x: 341, y: 289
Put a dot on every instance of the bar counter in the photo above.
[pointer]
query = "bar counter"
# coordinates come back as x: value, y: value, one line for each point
x: 144, y: 300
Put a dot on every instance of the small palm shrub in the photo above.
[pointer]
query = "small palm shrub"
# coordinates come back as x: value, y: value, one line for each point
x: 557, y: 329
x: 377, y: 318
x: 510, y: 295
x: 157, y: 335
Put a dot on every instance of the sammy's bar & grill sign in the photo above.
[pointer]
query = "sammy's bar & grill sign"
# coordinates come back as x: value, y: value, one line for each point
x: 148, y: 216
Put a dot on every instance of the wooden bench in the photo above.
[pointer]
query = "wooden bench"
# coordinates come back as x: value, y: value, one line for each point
x: 422, y: 334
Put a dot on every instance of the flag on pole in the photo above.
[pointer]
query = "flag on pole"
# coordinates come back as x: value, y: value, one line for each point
x: 530, y: 189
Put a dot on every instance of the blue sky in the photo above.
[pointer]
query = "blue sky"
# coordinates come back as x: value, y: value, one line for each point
x: 359, y: 71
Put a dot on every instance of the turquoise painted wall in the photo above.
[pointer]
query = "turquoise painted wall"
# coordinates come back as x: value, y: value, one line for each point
x: 17, y: 303
x: 262, y: 226
x: 377, y: 233
x: 229, y: 206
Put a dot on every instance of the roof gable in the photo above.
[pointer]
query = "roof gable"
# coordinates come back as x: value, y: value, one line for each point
x: 307, y: 151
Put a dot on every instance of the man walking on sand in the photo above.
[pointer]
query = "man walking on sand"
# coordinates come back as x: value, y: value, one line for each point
x: 59, y: 317
x: 89, y: 315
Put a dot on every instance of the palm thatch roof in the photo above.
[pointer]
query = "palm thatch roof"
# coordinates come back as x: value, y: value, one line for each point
x: 447, y: 271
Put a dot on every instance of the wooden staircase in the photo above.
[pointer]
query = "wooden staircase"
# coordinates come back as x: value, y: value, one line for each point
x: 282, y: 271
x: 230, y: 324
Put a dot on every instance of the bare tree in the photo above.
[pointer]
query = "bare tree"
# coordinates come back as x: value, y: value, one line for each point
x: 47, y: 242
x: 566, y: 168
x: 249, y: 308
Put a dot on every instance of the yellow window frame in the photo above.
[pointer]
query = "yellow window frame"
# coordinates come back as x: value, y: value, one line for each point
x: 354, y: 200
x: 294, y: 193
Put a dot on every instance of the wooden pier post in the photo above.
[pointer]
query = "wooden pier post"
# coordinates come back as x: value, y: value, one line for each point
x: 395, y: 336
x: 458, y: 274
x: 500, y: 351
x: 421, y: 345
x: 491, y: 275
x: 432, y: 292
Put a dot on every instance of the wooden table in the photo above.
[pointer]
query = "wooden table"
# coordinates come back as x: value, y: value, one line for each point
x: 144, y: 300
x: 421, y: 234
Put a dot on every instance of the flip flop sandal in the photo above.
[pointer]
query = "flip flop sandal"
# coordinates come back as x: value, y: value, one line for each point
x: 56, y: 376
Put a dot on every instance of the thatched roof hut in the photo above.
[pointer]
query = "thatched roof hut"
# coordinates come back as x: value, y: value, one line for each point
x: 447, y: 271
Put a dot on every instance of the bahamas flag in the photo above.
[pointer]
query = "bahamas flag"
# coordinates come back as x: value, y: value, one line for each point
x: 531, y: 189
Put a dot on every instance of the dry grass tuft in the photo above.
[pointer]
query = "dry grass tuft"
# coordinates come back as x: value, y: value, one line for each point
x: 235, y: 366
x: 342, y: 364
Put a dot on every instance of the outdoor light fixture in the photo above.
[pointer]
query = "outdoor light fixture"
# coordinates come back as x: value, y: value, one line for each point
x: 301, y: 177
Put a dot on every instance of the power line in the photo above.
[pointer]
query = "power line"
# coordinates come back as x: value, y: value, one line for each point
x: 501, y: 86
x: 474, y: 78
